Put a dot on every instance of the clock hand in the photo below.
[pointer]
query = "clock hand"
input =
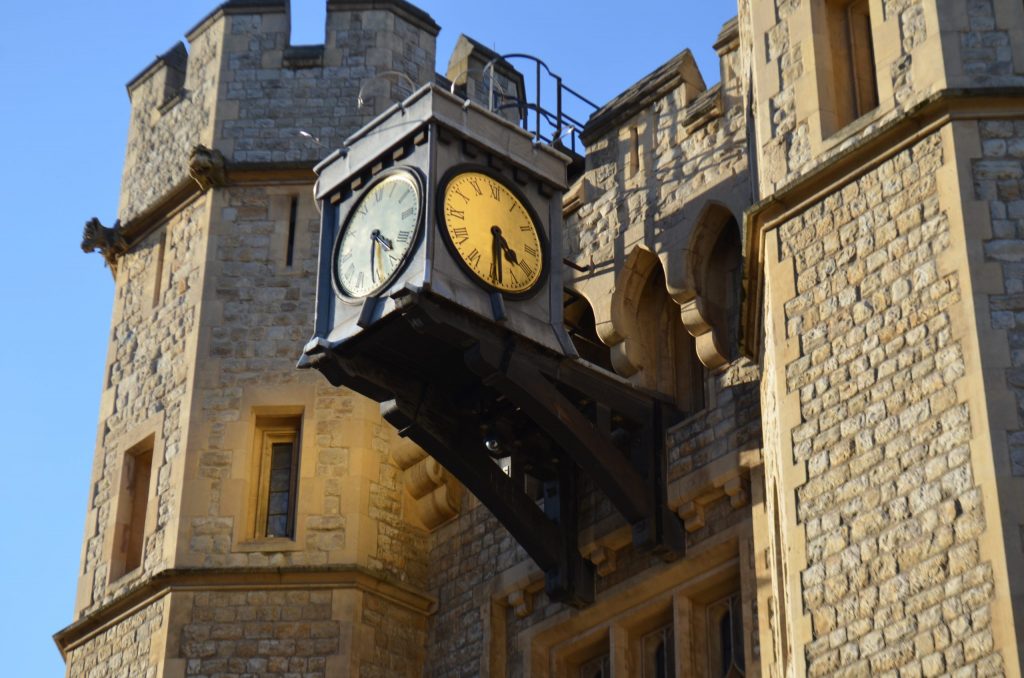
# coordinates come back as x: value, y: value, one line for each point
x: 497, y: 244
x: 499, y: 239
x: 373, y: 260
x: 384, y: 242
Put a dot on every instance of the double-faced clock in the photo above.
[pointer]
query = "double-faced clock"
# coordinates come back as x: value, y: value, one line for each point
x: 442, y: 199
x: 378, y: 235
x: 492, y: 231
x: 440, y: 295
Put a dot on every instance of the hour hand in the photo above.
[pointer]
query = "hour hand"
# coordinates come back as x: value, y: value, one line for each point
x: 384, y: 242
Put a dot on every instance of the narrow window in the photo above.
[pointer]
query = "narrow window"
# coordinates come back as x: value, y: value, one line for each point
x: 725, y: 638
x: 157, y: 283
x: 293, y: 215
x: 634, y: 151
x: 278, y: 462
x: 598, y: 667
x: 133, y: 502
x: 659, y: 657
x: 853, y: 59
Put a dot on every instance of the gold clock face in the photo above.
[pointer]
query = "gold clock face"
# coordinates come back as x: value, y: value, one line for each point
x: 378, y: 235
x: 492, y: 232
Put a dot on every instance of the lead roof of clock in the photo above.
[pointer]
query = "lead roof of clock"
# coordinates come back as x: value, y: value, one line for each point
x: 467, y: 120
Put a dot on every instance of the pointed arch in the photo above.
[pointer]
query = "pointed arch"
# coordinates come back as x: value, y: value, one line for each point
x: 713, y: 272
x: 649, y: 344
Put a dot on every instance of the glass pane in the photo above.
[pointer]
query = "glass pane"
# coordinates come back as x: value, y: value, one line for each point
x: 281, y: 480
x: 281, y: 456
x: 277, y: 526
x: 278, y: 503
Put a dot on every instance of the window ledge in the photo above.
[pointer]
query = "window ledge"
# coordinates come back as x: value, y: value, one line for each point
x: 268, y: 545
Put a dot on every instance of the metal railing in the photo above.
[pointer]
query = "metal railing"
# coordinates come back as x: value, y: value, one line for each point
x: 548, y: 126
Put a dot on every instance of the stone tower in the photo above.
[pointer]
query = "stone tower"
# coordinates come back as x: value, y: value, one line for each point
x: 816, y: 260
x: 244, y: 516
x: 883, y: 262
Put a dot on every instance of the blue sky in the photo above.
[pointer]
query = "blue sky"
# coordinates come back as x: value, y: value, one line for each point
x: 63, y: 67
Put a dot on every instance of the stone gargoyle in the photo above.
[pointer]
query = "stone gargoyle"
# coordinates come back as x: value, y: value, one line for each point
x: 109, y: 241
x: 207, y: 166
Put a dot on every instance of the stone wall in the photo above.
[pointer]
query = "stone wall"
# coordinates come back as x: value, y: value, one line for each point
x: 273, y: 633
x: 124, y: 650
x: 798, y: 126
x: 999, y: 181
x: 148, y: 383
x: 681, y: 170
x: 984, y: 38
x: 162, y: 131
x: 269, y: 96
x: 260, y: 316
x: 890, y: 506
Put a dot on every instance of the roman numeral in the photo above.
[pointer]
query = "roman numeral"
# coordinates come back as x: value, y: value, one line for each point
x: 476, y: 187
x: 456, y: 214
x: 363, y: 209
x: 512, y: 272
x: 359, y: 280
x: 526, y: 268
x: 461, y: 233
x: 379, y: 195
x: 395, y: 260
x: 403, y: 236
x: 350, y: 270
x: 525, y: 228
x: 461, y: 194
x: 392, y: 191
x: 408, y: 213
x: 473, y: 257
x: 530, y: 250
x: 346, y: 257
x: 495, y: 192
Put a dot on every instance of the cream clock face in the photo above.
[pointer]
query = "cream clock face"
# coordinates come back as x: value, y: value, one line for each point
x: 492, y: 232
x: 378, y: 235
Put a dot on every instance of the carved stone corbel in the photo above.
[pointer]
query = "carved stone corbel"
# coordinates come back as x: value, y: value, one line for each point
x: 435, y: 493
x: 692, y: 515
x: 109, y: 241
x: 207, y: 167
x: 709, y: 348
x: 521, y: 602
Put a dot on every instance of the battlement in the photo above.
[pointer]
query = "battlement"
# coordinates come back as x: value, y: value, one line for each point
x: 243, y: 89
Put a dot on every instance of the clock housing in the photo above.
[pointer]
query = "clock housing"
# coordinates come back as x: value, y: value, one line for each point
x: 431, y: 134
